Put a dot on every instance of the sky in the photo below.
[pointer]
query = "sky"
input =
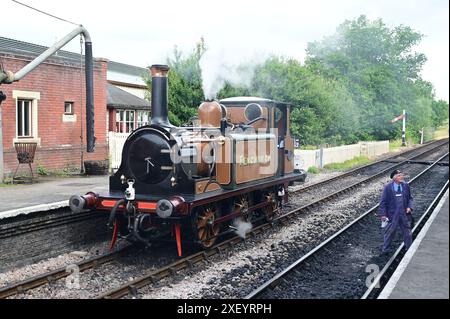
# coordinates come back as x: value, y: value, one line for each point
x: 142, y: 32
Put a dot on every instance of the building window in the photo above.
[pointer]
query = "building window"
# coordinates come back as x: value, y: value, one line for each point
x: 143, y: 118
x: 24, y: 118
x: 124, y: 121
x: 68, y: 108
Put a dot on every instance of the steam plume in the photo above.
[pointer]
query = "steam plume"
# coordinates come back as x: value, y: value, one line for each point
x: 218, y: 68
x: 242, y: 228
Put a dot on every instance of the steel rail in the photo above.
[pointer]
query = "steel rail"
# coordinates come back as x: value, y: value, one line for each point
x: 341, y: 191
x: 435, y: 144
x: 45, y: 224
x: 188, y: 262
x: 274, y: 281
x: 368, y: 179
x: 52, y: 276
x: 62, y: 220
x: 172, y: 268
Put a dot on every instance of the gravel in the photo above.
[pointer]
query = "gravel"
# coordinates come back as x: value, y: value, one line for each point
x: 229, y: 276
x: 259, y: 260
x: 50, y: 264
x: 256, y: 261
x: 342, y: 270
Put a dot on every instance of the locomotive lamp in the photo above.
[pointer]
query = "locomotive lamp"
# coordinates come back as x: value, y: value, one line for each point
x: 130, y: 192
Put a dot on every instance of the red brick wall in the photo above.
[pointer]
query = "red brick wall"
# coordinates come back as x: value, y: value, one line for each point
x: 112, y: 120
x: 60, y: 141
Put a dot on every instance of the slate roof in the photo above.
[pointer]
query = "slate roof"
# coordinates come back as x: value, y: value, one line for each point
x: 126, y: 68
x: 16, y: 47
x: 118, y: 98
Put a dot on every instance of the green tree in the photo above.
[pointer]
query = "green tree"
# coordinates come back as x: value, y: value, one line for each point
x: 440, y: 112
x: 322, y: 110
x: 380, y: 69
x: 185, y: 84
x: 230, y: 90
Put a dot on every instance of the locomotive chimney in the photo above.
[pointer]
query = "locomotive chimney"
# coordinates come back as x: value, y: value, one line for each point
x: 159, y: 94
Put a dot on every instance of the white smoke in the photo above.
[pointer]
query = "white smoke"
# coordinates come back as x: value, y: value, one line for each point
x: 242, y: 228
x: 220, y: 66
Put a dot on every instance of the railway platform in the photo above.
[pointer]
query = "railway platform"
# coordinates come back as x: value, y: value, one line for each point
x: 423, y: 272
x: 47, y: 194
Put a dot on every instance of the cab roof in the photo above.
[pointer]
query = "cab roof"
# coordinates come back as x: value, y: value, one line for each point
x: 248, y: 99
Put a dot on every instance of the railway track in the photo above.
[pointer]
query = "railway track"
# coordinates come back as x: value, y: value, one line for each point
x: 381, y: 164
x: 131, y: 288
x: 288, y: 278
x: 54, y: 221
x: 52, y: 276
x: 339, y: 186
x: 57, y: 220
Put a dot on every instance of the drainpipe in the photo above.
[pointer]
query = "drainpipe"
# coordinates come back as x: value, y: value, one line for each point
x: 1, y: 141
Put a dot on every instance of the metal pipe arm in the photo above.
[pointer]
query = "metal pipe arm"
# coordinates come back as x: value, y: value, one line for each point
x: 10, y: 77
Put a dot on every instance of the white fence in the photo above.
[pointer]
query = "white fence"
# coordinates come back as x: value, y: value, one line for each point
x: 116, y: 142
x: 305, y: 159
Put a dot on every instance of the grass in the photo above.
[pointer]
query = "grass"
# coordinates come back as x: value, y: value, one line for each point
x: 357, y: 161
x: 396, y: 145
x: 313, y: 170
x: 441, y: 132
x: 309, y: 147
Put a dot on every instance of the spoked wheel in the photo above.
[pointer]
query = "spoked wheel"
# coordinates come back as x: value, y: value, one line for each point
x: 272, y: 204
x: 204, y: 227
x: 242, y: 203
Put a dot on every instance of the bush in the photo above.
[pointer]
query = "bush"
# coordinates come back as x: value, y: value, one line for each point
x: 42, y: 171
x: 313, y: 170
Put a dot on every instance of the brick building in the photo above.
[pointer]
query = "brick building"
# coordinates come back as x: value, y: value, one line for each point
x: 48, y: 107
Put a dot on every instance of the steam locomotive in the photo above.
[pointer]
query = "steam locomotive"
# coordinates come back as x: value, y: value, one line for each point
x: 232, y: 165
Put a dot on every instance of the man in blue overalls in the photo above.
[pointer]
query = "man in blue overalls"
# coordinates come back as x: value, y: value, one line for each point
x: 396, y: 206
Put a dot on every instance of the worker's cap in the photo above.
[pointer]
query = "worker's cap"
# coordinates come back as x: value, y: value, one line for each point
x: 396, y: 172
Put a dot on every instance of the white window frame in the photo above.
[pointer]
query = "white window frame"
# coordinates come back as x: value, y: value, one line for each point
x: 71, y: 107
x: 123, y: 124
x: 142, y: 123
x: 34, y: 98
x: 23, y: 104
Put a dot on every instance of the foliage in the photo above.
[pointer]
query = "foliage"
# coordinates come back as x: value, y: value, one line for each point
x: 381, y: 71
x: 322, y: 109
x: 357, y: 161
x: 185, y: 84
x: 349, y: 88
x: 313, y: 170
x: 440, y: 112
x: 42, y: 171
